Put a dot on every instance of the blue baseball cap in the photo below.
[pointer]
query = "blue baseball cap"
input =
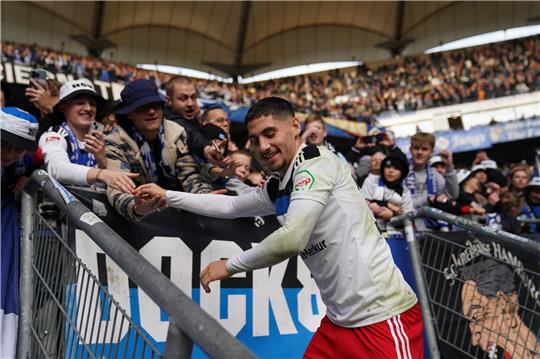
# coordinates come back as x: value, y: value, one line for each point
x: 138, y: 93
x: 19, y: 128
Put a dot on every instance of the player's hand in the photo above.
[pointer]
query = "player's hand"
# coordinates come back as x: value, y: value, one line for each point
x: 214, y: 271
x: 149, y: 190
x: 146, y: 205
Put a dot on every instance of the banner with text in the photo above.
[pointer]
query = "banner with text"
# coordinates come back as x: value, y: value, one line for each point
x: 485, y: 296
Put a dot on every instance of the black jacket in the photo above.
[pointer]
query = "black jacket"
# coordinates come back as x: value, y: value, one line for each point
x: 195, y: 140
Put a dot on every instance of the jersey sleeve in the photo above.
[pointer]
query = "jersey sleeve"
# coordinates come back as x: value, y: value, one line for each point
x: 254, y: 203
x: 54, y: 148
x: 315, y: 178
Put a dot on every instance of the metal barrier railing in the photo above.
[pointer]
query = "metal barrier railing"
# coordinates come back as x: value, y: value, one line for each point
x: 478, y: 308
x: 73, y: 313
x: 58, y: 293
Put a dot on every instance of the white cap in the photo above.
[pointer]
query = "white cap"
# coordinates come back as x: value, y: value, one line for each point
x: 435, y: 159
x: 75, y: 88
x: 462, y: 175
x: 478, y: 167
x: 489, y: 164
x: 534, y: 183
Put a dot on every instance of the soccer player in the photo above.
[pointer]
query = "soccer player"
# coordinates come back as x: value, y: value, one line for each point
x: 371, y: 311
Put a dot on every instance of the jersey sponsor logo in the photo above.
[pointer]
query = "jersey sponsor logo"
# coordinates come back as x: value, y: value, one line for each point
x: 314, y: 249
x: 52, y: 139
x: 303, y: 181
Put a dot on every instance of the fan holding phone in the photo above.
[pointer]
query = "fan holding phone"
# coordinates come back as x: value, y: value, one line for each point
x: 43, y: 91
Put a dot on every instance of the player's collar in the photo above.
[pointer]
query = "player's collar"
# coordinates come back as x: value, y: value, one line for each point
x: 283, y: 181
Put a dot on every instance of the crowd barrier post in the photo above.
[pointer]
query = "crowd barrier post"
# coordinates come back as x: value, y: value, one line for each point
x: 189, y: 322
x: 29, y: 206
x: 416, y: 261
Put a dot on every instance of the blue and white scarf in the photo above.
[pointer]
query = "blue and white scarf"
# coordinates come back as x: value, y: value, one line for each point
x: 148, y: 155
x: 410, y: 181
x: 532, y: 212
x: 76, y: 155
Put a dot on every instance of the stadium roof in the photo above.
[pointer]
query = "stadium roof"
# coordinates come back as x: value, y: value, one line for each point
x: 250, y: 37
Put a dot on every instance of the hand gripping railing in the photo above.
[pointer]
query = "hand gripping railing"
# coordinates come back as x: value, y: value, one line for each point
x: 465, y: 223
x: 188, y: 322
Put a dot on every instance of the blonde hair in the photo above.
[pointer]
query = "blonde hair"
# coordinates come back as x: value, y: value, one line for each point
x: 423, y: 137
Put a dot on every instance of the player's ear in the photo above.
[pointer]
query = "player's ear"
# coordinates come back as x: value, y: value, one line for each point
x: 296, y: 126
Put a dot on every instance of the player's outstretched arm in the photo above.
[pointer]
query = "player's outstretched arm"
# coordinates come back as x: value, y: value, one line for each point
x: 255, y: 203
x: 287, y: 241
x: 284, y: 243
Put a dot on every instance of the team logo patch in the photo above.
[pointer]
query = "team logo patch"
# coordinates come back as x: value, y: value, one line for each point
x: 303, y: 181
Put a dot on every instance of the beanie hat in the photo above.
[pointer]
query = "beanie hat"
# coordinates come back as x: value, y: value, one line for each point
x: 397, y: 159
x: 213, y: 132
x: 19, y: 128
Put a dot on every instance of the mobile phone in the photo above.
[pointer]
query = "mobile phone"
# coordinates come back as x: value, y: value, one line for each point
x: 217, y: 149
x: 369, y: 140
x: 94, y: 127
x: 39, y: 75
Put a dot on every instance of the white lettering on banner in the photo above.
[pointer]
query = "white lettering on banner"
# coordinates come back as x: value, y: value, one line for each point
x: 103, y: 88
x: 7, y: 70
x: 22, y: 74
x: 476, y: 249
x: 117, y: 285
x: 62, y: 78
x: 181, y: 275
x: 306, y: 312
x: 466, y: 140
x: 267, y: 290
x: 116, y: 90
x: 236, y: 305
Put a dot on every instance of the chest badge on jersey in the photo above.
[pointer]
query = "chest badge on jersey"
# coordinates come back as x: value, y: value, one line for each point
x: 303, y: 181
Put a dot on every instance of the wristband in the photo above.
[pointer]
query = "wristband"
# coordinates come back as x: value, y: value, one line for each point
x: 98, y: 173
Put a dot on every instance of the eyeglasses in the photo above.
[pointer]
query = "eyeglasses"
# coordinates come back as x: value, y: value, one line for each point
x: 220, y: 120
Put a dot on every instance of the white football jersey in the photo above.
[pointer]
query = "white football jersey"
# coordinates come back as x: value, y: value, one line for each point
x: 349, y: 259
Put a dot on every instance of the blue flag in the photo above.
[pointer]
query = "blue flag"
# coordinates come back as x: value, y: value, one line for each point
x: 9, y: 278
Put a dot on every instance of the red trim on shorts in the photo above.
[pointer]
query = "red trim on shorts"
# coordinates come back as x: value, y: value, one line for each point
x: 399, y: 337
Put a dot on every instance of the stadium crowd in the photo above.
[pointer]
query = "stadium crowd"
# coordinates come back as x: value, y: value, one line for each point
x: 404, y: 84
x: 147, y: 138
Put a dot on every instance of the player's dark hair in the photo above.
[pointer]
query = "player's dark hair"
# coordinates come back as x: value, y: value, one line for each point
x: 270, y: 106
